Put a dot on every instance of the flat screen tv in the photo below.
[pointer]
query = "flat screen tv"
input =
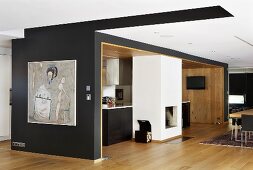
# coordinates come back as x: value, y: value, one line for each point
x: 196, y: 82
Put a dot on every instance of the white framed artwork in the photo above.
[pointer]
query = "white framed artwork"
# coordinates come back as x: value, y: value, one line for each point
x: 52, y: 92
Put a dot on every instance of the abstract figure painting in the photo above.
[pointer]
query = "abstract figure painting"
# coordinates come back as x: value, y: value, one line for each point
x: 52, y: 92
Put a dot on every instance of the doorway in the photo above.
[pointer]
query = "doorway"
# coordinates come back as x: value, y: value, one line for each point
x: 213, y: 91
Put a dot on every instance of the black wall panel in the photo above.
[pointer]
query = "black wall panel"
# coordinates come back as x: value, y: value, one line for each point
x: 249, y: 94
x: 242, y: 84
x: 75, y: 41
x: 55, y: 44
x: 237, y: 84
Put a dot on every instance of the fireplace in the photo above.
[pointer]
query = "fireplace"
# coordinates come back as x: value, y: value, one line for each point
x: 170, y: 116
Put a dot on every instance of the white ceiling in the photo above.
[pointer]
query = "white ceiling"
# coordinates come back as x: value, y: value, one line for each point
x: 206, y: 36
x: 19, y: 14
x: 213, y: 39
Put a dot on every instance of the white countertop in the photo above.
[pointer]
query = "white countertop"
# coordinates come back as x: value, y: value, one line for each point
x: 104, y: 106
x: 115, y: 107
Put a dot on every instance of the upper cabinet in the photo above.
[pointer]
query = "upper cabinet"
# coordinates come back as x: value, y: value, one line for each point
x: 117, y: 72
x: 125, y: 71
x: 111, y: 72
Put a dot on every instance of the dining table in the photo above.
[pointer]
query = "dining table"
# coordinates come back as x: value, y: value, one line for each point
x: 238, y: 115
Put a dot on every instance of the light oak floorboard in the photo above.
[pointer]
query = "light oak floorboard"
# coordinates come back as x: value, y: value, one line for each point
x: 188, y: 155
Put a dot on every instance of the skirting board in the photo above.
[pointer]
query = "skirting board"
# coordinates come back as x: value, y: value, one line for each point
x: 166, y: 140
x: 3, y: 138
x: 98, y: 160
x: 162, y: 141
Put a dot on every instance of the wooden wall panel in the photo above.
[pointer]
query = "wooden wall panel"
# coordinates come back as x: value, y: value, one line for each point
x: 207, y: 106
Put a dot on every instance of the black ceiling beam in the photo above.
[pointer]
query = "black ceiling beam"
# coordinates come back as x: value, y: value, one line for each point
x: 165, y: 17
x: 147, y: 19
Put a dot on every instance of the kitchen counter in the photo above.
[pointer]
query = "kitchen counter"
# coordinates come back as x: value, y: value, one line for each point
x: 117, y: 124
x: 187, y: 101
x: 115, y: 107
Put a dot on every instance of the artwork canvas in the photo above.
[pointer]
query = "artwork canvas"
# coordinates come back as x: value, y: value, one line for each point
x: 52, y: 92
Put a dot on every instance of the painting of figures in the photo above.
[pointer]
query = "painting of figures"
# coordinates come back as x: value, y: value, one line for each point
x: 52, y: 92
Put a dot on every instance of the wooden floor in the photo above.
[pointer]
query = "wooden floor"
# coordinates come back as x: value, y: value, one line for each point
x: 130, y: 155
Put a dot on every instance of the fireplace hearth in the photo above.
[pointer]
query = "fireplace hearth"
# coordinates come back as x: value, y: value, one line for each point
x: 170, y: 116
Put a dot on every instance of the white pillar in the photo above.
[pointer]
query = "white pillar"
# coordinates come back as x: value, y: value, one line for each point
x: 157, y: 83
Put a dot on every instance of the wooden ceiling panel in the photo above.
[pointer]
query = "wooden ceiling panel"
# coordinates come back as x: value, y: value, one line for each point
x: 116, y: 51
x: 187, y: 64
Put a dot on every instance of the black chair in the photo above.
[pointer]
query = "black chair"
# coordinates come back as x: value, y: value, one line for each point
x: 247, y: 127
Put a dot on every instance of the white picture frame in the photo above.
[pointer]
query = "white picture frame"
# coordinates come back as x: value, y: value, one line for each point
x: 52, y: 92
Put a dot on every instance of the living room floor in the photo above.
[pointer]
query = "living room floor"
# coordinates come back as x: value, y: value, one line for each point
x: 169, y: 155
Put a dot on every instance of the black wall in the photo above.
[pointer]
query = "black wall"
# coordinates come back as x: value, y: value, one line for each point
x: 76, y: 41
x: 56, y: 43
x: 242, y: 84
x: 237, y: 84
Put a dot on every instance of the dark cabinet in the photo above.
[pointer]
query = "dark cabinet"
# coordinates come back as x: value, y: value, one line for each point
x: 237, y: 84
x: 186, y: 114
x: 125, y: 71
x: 242, y: 84
x: 117, y: 125
x: 249, y: 90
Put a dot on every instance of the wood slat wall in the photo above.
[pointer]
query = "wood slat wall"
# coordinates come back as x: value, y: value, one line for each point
x: 207, y: 106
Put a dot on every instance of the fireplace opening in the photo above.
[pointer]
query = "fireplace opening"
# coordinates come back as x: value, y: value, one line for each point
x: 170, y: 117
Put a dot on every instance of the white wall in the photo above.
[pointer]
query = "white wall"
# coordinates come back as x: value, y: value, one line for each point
x: 171, y: 87
x: 157, y: 83
x: 147, y: 93
x: 5, y: 85
x: 109, y: 91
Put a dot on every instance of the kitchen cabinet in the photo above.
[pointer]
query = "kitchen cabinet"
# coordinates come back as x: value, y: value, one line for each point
x: 117, y: 125
x: 117, y: 72
x: 111, y: 72
x: 186, y: 114
x: 125, y: 71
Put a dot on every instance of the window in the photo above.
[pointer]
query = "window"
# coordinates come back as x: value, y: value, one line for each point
x: 236, y: 99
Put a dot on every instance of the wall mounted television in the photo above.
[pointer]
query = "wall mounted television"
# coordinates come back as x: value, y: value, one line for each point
x: 195, y: 82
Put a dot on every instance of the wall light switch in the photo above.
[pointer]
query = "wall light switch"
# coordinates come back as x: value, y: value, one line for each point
x: 87, y: 88
x: 88, y: 96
